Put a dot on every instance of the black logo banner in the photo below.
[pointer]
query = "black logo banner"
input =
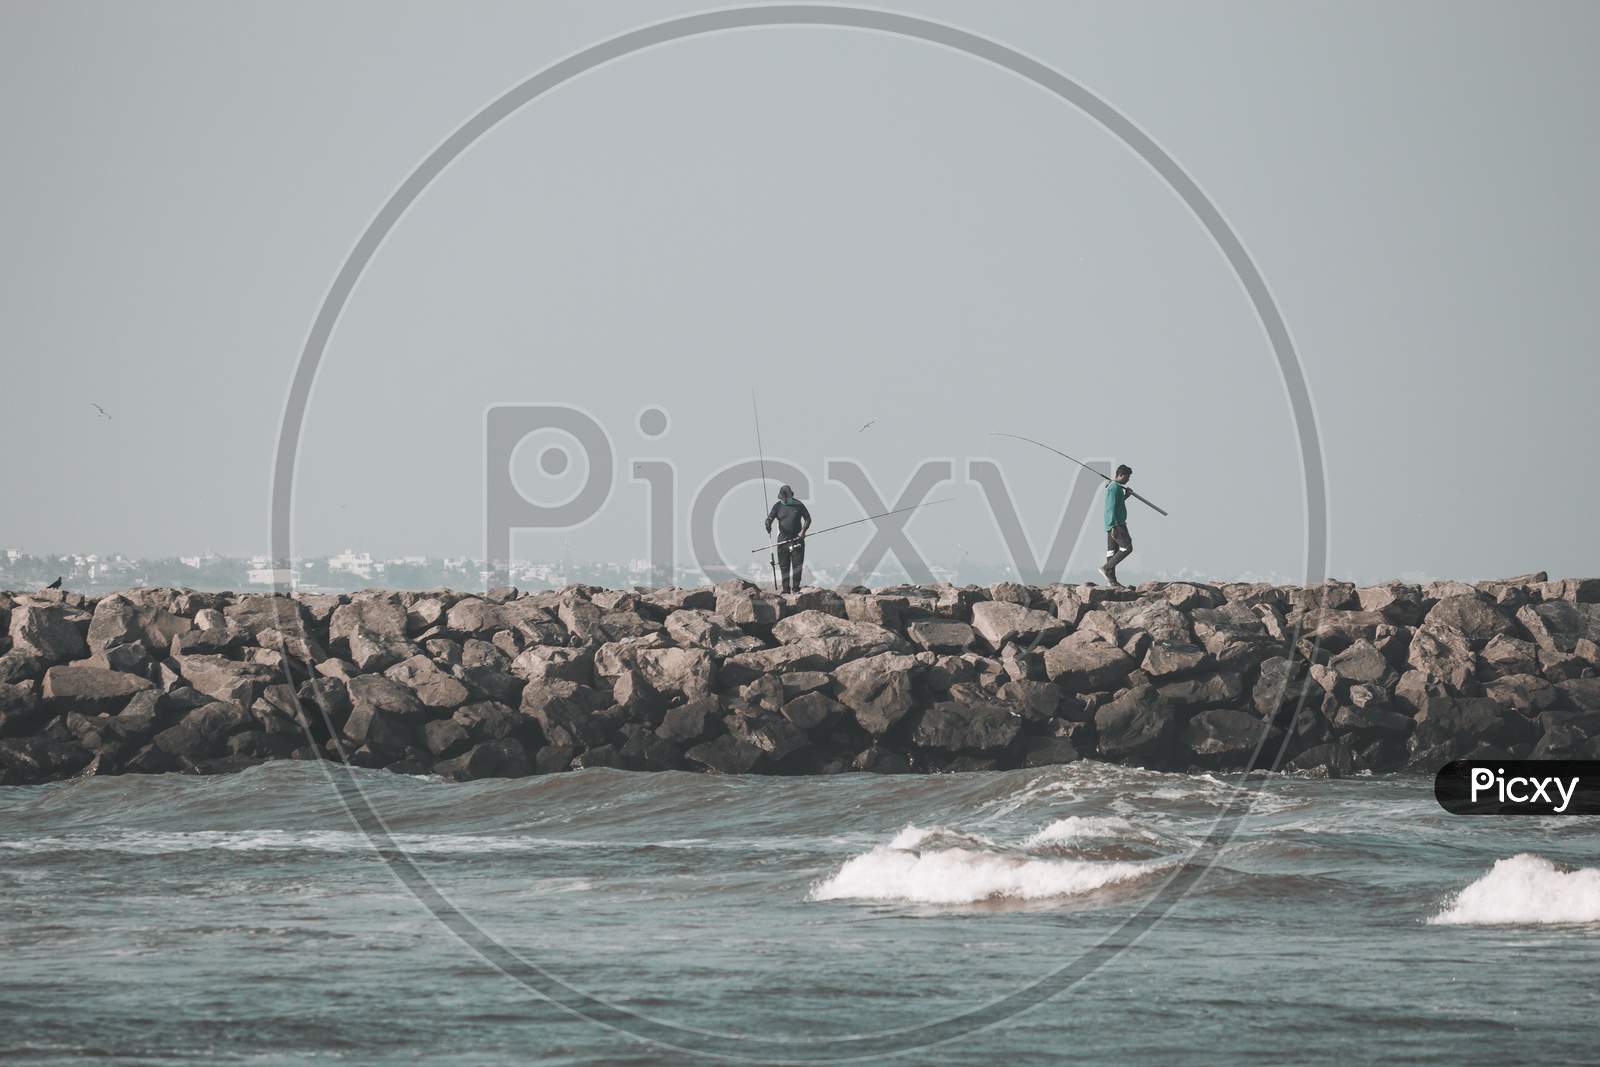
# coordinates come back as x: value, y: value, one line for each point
x: 1519, y: 787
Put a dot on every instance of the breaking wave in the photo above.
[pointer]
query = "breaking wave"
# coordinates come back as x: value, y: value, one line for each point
x: 1525, y: 890
x: 940, y: 866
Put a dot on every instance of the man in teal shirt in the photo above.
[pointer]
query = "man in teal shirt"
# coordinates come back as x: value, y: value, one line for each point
x: 1119, y: 543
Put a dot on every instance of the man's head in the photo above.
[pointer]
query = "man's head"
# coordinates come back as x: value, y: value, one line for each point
x: 1124, y: 472
x: 785, y: 493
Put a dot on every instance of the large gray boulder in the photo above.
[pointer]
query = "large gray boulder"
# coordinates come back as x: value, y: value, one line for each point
x: 810, y: 710
x: 1508, y: 655
x: 1186, y: 596
x: 199, y: 736
x: 1558, y: 625
x: 1000, y: 622
x: 433, y: 687
x: 772, y: 734
x: 1361, y: 662
x: 1444, y: 655
x: 90, y: 690
x: 1035, y: 701
x: 879, y: 690
x: 1168, y: 660
x: 385, y: 716
x: 1278, y: 684
x: 1087, y: 668
x: 692, y: 721
x: 886, y: 611
x: 47, y: 631
x: 1474, y: 616
x: 685, y: 673
x: 20, y: 712
x: 1156, y: 617
x: 565, y: 713
x: 1224, y: 689
x: 504, y: 758
x: 490, y: 721
x: 549, y: 663
x: 470, y: 617
x: 1463, y: 722
x: 1399, y: 603
x: 747, y: 605
x: 1225, y: 737
x: 726, y: 754
x: 252, y: 613
x: 380, y: 617
x: 19, y: 666
x: 845, y: 640
x: 942, y: 635
x: 706, y: 629
x: 961, y: 727
x: 1527, y: 693
x: 226, y: 680
x: 1137, y: 725
x: 1371, y: 722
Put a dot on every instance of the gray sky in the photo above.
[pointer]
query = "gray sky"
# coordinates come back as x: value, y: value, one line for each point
x: 857, y: 226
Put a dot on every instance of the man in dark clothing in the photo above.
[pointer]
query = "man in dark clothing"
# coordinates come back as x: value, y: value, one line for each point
x: 793, y: 521
x: 1119, y: 543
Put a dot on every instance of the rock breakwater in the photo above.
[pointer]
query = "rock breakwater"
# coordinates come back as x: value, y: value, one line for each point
x: 734, y: 679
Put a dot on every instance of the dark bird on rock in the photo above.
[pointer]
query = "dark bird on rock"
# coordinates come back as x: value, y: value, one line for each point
x: 104, y: 414
x: 55, y: 584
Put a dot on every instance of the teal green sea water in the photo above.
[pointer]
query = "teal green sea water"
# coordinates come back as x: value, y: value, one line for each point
x: 247, y: 919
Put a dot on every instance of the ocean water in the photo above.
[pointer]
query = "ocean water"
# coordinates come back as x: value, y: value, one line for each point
x: 248, y: 919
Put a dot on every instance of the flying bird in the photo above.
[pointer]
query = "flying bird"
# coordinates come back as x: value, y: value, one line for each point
x: 864, y: 425
x: 55, y: 584
x: 104, y: 414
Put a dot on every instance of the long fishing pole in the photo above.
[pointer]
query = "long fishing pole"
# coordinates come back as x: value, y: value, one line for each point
x: 1079, y: 462
x: 762, y: 457
x: 853, y: 522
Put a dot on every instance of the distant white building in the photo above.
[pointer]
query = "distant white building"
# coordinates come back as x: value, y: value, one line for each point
x: 360, y: 564
x: 273, y: 576
x: 264, y: 570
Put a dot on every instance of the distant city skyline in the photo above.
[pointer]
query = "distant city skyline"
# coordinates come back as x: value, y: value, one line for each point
x: 352, y: 569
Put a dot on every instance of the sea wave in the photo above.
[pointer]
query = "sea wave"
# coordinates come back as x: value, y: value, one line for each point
x: 1525, y: 889
x: 923, y: 866
x: 1078, y: 828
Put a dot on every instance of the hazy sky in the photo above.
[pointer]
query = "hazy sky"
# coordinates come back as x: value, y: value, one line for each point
x: 857, y: 226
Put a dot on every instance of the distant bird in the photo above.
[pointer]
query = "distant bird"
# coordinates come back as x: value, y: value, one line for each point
x: 104, y: 414
x: 864, y: 425
x: 55, y: 584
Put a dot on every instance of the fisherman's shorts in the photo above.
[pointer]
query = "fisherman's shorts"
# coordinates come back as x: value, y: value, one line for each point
x: 1118, y: 538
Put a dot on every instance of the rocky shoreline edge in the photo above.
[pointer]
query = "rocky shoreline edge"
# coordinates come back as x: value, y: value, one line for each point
x: 734, y: 679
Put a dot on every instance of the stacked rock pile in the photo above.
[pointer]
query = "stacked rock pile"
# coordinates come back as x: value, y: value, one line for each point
x: 735, y: 679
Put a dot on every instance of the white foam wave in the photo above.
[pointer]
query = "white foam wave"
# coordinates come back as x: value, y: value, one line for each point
x: 1077, y: 828
x: 1525, y: 890
x: 904, y: 872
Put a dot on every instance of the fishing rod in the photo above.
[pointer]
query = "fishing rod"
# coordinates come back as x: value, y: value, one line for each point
x: 762, y: 457
x: 1079, y: 462
x: 853, y: 522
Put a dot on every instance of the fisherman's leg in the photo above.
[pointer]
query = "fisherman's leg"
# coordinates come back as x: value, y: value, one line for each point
x: 1124, y: 542
x: 797, y: 557
x: 783, y: 565
x: 1119, y: 546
